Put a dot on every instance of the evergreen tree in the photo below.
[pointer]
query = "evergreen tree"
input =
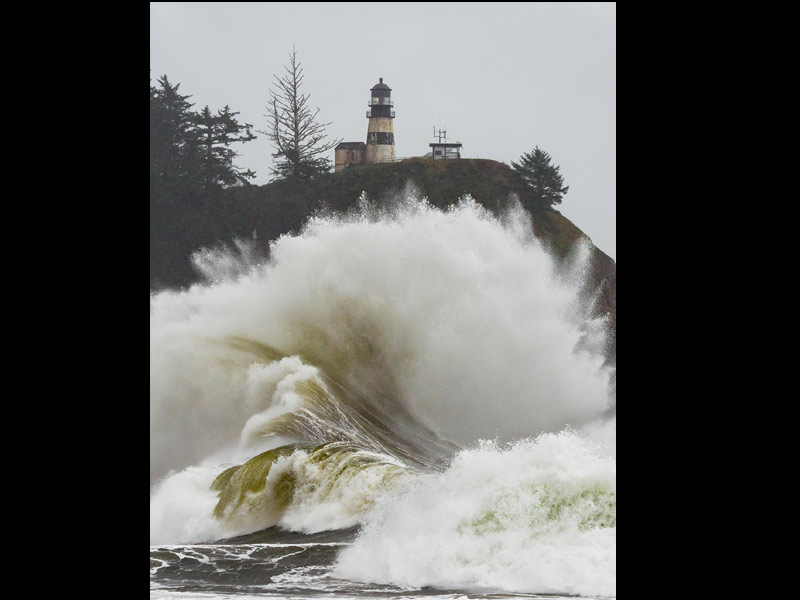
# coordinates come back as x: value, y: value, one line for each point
x: 171, y: 135
x: 296, y: 136
x: 189, y: 150
x: 190, y: 162
x: 214, y: 134
x: 543, y: 179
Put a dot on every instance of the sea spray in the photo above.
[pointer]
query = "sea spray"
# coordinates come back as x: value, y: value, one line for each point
x: 534, y: 516
x: 603, y: 432
x: 392, y: 329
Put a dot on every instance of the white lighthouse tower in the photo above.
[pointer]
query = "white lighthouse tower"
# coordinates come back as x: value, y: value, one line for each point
x: 380, y: 134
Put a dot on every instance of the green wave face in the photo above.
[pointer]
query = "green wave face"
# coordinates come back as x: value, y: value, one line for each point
x: 348, y: 447
x: 282, y: 485
x: 236, y: 484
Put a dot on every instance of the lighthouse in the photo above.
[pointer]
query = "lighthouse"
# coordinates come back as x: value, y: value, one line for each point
x: 380, y: 135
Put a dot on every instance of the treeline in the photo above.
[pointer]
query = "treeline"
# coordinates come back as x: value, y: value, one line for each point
x: 192, y: 166
x: 193, y: 175
x: 191, y: 150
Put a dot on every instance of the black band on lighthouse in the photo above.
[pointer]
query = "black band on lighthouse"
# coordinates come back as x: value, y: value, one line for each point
x: 378, y: 110
x: 380, y: 137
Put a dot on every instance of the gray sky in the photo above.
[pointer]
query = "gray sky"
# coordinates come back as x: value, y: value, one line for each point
x: 500, y: 77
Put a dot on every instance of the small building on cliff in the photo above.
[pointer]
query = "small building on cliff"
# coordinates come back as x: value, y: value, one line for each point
x: 442, y: 149
x: 350, y: 153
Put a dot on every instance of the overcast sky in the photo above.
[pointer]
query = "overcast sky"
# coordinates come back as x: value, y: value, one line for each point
x: 500, y: 77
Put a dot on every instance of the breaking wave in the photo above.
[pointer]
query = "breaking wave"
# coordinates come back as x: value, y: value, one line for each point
x: 354, y: 377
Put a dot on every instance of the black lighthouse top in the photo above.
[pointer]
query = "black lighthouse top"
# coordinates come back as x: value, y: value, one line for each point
x: 380, y: 101
x: 381, y: 86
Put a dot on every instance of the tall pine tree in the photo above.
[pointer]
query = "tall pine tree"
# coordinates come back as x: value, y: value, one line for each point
x: 214, y: 135
x: 297, y: 138
x: 191, y: 151
x: 172, y: 137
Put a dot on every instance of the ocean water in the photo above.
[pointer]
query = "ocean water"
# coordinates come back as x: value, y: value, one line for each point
x: 402, y: 402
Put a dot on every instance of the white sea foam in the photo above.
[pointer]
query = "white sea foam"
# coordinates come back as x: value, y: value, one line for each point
x: 181, y: 508
x: 538, y: 516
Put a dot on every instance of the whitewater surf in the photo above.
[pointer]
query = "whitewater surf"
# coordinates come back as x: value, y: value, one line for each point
x: 402, y: 401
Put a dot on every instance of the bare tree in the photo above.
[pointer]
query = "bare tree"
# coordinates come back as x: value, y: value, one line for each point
x: 296, y: 136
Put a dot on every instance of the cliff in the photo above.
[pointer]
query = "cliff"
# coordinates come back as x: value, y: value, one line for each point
x: 180, y: 224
